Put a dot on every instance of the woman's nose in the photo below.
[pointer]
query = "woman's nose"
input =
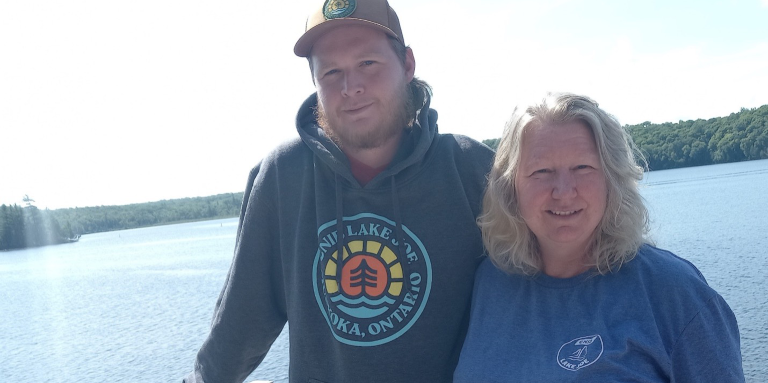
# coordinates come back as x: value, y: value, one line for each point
x: 564, y: 185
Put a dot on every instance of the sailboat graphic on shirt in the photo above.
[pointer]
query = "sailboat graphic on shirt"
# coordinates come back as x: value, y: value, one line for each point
x: 579, y: 355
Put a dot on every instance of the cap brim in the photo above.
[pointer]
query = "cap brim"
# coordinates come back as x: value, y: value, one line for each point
x: 304, y: 45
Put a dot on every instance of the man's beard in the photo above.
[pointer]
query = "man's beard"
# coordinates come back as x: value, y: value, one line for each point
x: 399, y: 114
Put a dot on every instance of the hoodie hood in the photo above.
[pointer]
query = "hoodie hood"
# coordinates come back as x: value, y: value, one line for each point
x: 414, y: 145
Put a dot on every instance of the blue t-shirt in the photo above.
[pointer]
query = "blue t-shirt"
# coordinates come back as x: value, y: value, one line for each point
x: 654, y: 320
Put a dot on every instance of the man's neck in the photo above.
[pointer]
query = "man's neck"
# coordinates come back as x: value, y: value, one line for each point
x: 376, y: 157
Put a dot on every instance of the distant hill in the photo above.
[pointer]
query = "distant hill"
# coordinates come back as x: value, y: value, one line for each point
x: 27, y: 226
x: 86, y: 220
x: 741, y: 136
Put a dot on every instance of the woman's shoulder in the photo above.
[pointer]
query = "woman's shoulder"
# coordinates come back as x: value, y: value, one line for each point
x: 666, y: 273
x: 488, y: 271
x: 489, y: 275
x: 666, y: 263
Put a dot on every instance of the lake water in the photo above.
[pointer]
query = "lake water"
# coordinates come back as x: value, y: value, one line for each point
x: 135, y: 305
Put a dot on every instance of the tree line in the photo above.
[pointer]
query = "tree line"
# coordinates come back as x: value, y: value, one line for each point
x: 741, y: 136
x: 28, y: 226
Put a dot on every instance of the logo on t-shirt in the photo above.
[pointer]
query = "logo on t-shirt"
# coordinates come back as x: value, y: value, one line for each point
x: 580, y: 352
x: 371, y: 293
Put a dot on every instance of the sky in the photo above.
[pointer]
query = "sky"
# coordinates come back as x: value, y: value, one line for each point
x: 111, y: 102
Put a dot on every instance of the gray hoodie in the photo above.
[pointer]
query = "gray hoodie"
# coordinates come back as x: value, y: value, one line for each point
x: 394, y: 306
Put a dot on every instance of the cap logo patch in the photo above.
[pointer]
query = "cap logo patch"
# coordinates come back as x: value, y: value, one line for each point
x: 334, y: 9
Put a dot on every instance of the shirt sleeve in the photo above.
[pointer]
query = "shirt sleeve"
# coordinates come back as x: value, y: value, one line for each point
x: 250, y: 312
x: 708, y: 350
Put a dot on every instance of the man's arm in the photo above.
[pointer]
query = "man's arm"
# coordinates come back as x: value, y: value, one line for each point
x: 250, y: 312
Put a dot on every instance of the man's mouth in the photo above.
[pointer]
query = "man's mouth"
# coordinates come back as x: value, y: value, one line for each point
x: 357, y: 108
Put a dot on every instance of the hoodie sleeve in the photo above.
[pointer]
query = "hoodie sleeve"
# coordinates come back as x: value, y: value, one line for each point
x: 250, y: 312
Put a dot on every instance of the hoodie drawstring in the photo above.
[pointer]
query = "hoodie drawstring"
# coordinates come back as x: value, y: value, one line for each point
x: 340, y: 224
x: 339, y: 221
x: 398, y: 221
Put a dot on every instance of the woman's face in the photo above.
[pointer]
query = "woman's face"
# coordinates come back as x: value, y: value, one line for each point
x: 561, y: 188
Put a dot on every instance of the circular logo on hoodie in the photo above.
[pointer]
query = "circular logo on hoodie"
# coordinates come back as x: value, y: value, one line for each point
x: 334, y: 9
x: 374, y: 289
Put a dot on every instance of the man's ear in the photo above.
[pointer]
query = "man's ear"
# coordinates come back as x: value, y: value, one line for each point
x: 311, y: 70
x: 409, y: 64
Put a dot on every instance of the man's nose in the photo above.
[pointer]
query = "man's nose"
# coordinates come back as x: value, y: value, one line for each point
x: 353, y: 84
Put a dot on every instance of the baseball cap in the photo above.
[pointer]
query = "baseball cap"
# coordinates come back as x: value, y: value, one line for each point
x: 376, y: 14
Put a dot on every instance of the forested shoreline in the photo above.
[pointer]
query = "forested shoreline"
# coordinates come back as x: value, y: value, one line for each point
x: 28, y: 226
x: 741, y: 136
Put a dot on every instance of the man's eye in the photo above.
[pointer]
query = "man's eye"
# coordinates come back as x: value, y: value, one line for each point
x: 331, y: 72
x: 367, y: 62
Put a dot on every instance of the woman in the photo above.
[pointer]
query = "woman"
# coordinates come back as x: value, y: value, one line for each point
x: 572, y: 291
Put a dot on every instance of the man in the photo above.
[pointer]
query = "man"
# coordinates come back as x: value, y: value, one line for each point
x: 361, y: 234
